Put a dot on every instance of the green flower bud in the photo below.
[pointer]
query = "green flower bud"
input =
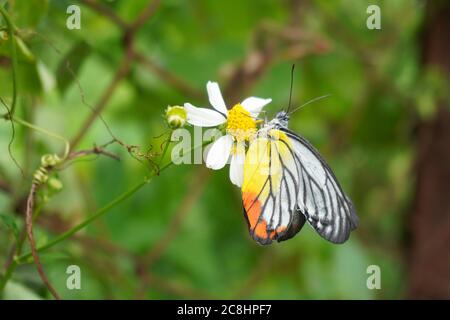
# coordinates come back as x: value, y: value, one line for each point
x: 55, y: 184
x: 176, y: 117
x: 50, y: 160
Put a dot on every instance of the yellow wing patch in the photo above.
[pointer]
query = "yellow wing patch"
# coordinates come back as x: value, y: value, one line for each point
x: 263, y: 173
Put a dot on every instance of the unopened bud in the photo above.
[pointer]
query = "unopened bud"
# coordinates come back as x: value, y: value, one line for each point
x: 55, y: 184
x: 176, y: 117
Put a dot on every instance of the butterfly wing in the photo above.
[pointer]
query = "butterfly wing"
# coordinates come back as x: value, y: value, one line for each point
x: 270, y: 190
x: 320, y: 197
x: 287, y: 182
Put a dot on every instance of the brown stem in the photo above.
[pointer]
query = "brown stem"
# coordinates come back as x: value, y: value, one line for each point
x: 29, y: 228
x: 99, y: 150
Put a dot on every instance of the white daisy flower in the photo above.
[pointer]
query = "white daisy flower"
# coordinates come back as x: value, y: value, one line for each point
x: 240, y: 126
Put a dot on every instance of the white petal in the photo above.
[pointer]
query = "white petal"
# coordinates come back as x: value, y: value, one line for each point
x: 203, y: 117
x: 219, y: 153
x: 254, y: 105
x: 237, y: 165
x: 215, y: 97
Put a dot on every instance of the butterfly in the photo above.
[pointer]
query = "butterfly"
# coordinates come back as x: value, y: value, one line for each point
x: 286, y: 183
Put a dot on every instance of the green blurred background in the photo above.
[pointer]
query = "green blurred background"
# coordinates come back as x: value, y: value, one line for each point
x: 183, y: 235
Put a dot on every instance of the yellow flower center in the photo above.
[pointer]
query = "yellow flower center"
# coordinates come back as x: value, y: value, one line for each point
x: 240, y: 124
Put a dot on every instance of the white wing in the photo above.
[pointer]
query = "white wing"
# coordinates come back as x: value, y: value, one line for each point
x: 320, y: 197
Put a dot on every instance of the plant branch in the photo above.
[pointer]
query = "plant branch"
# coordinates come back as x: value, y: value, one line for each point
x: 99, y: 150
x: 29, y: 228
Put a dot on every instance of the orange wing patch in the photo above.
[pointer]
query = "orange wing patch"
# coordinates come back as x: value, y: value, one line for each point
x: 261, y: 234
x: 258, y: 228
x: 252, y: 207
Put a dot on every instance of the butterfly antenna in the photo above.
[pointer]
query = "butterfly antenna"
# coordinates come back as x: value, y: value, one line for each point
x: 290, y: 91
x: 309, y: 102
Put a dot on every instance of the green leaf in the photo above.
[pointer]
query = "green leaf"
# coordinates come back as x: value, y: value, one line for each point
x: 71, y: 64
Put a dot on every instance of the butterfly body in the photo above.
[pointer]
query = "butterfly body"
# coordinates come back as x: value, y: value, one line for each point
x: 287, y: 183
